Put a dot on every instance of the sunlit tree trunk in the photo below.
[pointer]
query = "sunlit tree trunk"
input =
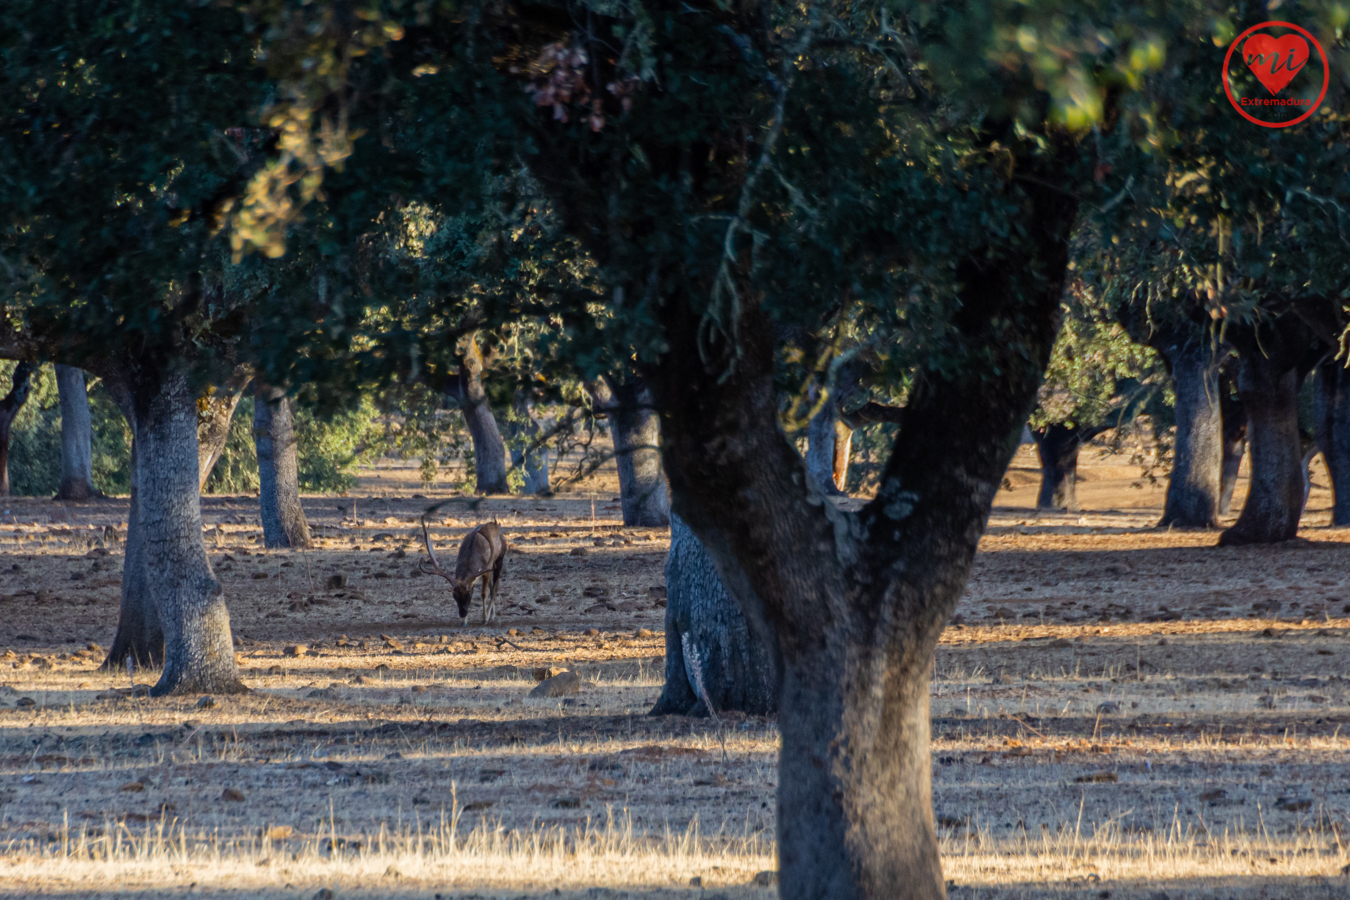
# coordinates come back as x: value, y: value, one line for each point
x: 1275, y: 356
x: 636, y: 431
x: 283, y: 517
x: 489, y: 450
x: 1195, y: 483
x: 77, y: 436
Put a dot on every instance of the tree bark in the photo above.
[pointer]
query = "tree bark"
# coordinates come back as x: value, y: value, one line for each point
x: 198, y: 645
x: 283, y: 517
x: 843, y: 455
x: 1194, y: 486
x: 710, y: 648
x: 1057, y: 446
x: 530, y: 459
x: 215, y: 412
x: 77, y: 437
x: 857, y: 600
x: 1333, y: 434
x: 1275, y: 355
x: 139, y: 636
x: 489, y: 450
x: 1234, y: 438
x: 635, y: 429
x: 10, y: 405
x: 823, y: 448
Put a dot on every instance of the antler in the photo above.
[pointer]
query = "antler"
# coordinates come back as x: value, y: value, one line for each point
x: 435, y: 565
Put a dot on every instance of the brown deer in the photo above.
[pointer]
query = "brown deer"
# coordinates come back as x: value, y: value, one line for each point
x: 481, y: 555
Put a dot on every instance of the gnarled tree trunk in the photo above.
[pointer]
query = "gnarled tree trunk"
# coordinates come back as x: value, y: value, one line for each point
x: 1275, y: 355
x: 1194, y: 486
x: 710, y: 648
x: 77, y: 436
x: 858, y: 600
x: 636, y: 431
x: 198, y: 645
x: 489, y: 450
x: 1057, y: 446
x: 283, y: 518
x: 1333, y: 434
x: 10, y: 405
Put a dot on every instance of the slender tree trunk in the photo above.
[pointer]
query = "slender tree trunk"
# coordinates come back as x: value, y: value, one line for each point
x: 843, y: 454
x: 489, y: 450
x: 1194, y: 486
x: 1234, y: 443
x: 1275, y: 493
x: 198, y: 645
x: 710, y: 648
x: 77, y: 436
x: 283, y: 517
x: 530, y: 459
x: 822, y: 447
x: 1057, y: 446
x: 215, y: 411
x: 139, y: 637
x: 10, y: 405
x: 1333, y: 434
x: 636, y: 432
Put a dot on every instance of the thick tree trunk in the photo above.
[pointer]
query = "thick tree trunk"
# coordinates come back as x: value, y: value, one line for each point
x: 858, y: 600
x: 215, y: 411
x: 1333, y: 434
x: 77, y: 436
x: 710, y: 649
x: 1194, y: 486
x: 1057, y: 446
x: 1275, y: 492
x: 10, y: 405
x: 1234, y: 442
x: 489, y: 450
x: 636, y: 432
x: 139, y: 637
x: 283, y: 518
x: 532, y: 460
x: 198, y: 645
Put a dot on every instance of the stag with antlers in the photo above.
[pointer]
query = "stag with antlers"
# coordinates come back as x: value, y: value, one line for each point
x: 481, y: 555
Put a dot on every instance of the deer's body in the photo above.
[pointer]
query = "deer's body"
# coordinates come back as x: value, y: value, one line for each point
x: 481, y: 555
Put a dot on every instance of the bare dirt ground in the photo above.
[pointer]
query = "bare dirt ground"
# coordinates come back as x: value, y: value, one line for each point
x: 1117, y: 711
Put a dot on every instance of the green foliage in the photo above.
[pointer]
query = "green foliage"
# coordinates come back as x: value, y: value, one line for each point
x: 1097, y: 375
x: 236, y: 472
x: 35, y: 438
x: 330, y: 446
x: 35, y: 435
x: 111, y: 467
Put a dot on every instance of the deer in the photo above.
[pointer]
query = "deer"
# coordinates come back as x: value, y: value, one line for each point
x: 481, y: 555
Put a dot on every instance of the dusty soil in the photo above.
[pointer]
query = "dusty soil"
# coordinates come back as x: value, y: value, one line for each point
x: 1116, y: 709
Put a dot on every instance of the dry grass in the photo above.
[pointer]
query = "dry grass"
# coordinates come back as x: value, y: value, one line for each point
x: 1120, y: 710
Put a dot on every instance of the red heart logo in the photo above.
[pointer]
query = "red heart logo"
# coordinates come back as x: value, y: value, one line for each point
x: 1275, y: 61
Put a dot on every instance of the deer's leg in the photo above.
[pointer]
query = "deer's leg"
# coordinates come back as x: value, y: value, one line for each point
x: 487, y: 610
x: 496, y: 581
